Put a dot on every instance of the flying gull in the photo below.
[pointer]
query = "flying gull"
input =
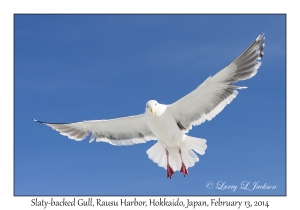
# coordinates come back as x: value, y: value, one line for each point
x: 169, y: 124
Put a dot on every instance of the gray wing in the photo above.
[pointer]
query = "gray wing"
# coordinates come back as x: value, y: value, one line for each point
x: 210, y: 98
x: 120, y: 131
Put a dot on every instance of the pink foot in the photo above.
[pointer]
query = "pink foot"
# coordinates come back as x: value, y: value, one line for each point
x: 170, y: 171
x: 184, y: 170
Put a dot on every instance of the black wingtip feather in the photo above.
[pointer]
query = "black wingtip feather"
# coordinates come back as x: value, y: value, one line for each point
x: 47, y: 122
x: 37, y: 121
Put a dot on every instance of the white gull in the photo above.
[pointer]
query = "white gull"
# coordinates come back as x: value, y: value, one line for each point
x: 169, y: 124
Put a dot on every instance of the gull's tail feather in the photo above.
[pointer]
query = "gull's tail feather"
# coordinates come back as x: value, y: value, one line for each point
x: 196, y: 144
x: 157, y: 153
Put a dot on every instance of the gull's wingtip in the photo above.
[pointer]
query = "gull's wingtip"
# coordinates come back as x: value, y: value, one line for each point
x: 37, y: 121
x: 260, y: 36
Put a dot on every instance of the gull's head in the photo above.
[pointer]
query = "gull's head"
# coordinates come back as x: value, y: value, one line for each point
x: 151, y: 107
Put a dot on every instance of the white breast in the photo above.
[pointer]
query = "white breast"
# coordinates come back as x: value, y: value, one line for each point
x: 164, y: 127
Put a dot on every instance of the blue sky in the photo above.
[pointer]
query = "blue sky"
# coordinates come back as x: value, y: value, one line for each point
x: 70, y: 68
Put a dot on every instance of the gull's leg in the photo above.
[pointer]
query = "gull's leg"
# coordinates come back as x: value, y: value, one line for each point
x: 170, y: 171
x: 183, y: 168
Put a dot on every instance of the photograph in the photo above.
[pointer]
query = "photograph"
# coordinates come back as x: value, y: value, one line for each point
x: 149, y: 105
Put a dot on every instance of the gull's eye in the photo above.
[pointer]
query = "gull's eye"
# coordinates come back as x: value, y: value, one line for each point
x: 155, y: 104
x: 147, y: 106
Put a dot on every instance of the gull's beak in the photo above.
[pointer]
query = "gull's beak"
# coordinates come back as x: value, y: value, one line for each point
x: 152, y: 111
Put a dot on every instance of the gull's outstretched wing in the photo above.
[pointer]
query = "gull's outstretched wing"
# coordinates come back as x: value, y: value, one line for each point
x: 210, y: 98
x: 119, y: 131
